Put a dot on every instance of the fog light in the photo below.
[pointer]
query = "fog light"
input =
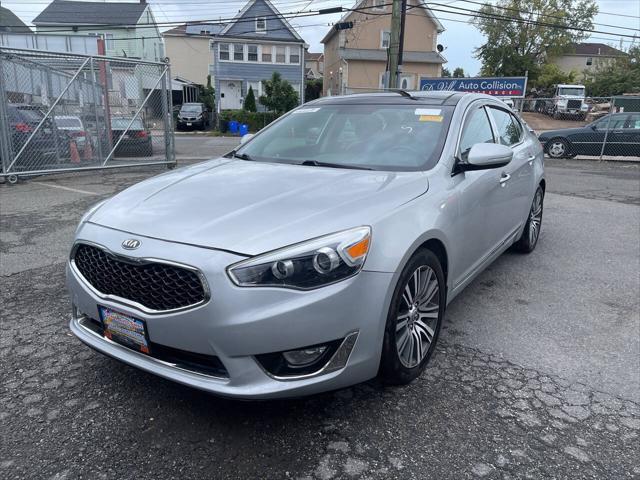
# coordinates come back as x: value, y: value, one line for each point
x: 304, y: 357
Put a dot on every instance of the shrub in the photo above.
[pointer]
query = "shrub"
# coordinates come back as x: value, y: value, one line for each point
x: 279, y: 95
x: 255, y: 120
x: 250, y: 101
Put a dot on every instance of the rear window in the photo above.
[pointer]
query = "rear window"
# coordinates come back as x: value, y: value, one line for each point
x: 27, y: 114
x: 68, y: 123
x: 379, y: 137
x: 121, y: 124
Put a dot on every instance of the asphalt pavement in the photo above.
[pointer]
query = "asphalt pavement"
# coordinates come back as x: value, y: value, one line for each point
x: 537, y: 373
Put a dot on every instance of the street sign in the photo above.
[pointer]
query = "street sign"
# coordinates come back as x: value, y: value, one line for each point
x: 514, y: 87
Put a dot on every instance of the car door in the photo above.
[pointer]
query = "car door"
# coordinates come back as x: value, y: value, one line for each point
x: 614, y: 137
x: 475, y: 190
x: 512, y: 199
x: 630, y: 137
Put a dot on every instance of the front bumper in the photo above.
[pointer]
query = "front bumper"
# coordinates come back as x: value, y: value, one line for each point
x: 237, y: 324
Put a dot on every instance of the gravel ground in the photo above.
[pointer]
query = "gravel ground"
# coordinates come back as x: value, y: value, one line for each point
x: 536, y: 375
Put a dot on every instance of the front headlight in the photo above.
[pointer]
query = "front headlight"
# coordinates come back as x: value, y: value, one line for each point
x: 311, y: 264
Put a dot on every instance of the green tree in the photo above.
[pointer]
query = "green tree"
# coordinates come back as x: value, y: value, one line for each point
x: 458, y: 72
x: 250, y: 101
x: 615, y: 78
x: 550, y: 74
x: 521, y: 34
x: 208, y: 95
x: 279, y: 94
x: 446, y: 73
x: 312, y: 89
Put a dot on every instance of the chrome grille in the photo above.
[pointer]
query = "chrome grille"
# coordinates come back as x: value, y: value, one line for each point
x: 156, y: 286
x: 574, y: 103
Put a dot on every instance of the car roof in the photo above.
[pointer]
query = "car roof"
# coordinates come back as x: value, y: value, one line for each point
x: 399, y: 97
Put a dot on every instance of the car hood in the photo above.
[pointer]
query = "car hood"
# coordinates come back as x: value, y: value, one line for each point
x: 253, y: 207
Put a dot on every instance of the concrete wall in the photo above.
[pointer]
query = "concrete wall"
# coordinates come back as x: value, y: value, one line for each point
x: 190, y: 57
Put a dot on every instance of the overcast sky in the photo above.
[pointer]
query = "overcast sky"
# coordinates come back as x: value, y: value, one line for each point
x: 459, y: 39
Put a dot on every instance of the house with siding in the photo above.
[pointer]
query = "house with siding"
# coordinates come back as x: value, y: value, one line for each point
x: 356, y: 59
x: 256, y: 43
x: 128, y: 29
x: 586, y: 58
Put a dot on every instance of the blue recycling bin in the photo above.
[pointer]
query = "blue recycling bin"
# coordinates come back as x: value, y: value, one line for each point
x: 244, y: 129
x: 233, y: 127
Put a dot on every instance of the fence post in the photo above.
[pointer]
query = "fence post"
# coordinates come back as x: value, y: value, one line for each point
x: 606, y: 132
x: 167, y: 107
x: 96, y: 101
x: 5, y: 137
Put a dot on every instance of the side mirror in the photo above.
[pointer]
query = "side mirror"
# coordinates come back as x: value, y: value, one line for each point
x: 483, y: 156
x: 245, y: 138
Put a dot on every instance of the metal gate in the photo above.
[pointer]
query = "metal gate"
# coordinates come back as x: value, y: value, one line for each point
x: 68, y: 112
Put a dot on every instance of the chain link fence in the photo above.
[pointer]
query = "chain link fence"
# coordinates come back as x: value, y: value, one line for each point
x: 67, y: 112
x: 607, y: 128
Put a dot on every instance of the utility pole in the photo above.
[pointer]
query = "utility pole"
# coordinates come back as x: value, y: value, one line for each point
x: 396, y: 41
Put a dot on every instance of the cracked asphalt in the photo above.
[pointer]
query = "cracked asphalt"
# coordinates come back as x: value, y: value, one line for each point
x: 537, y: 373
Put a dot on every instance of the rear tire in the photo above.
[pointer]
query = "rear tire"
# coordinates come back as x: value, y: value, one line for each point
x: 414, y: 319
x: 531, y: 233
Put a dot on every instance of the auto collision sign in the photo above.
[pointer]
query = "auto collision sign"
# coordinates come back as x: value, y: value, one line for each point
x: 496, y: 86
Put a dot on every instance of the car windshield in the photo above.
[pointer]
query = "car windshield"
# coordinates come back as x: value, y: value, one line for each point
x: 30, y: 115
x: 121, y: 123
x: 575, y: 91
x: 68, y: 122
x: 191, y: 108
x: 379, y: 137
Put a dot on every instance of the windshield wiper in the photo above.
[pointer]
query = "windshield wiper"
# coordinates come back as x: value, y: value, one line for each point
x: 315, y: 163
x: 242, y: 156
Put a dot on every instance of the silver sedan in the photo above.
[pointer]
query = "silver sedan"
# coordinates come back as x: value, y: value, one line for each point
x: 320, y: 253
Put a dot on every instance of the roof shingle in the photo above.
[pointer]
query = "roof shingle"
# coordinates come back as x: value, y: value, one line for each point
x: 65, y: 12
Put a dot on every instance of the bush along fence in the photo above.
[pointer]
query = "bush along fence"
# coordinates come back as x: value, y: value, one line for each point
x: 254, y: 120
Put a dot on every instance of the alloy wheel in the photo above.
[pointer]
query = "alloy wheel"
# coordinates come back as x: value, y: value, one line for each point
x: 557, y: 149
x: 417, y: 317
x: 535, y: 218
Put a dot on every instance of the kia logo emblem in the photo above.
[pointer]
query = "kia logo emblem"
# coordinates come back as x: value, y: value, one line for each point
x: 131, y: 244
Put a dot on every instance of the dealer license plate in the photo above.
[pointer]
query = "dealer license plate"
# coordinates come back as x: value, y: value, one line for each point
x: 124, y: 329
x: 188, y: 124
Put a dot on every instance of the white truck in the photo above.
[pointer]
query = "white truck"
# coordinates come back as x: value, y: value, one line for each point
x: 567, y: 101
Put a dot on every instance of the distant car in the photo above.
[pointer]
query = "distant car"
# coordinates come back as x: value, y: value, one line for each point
x: 74, y: 128
x: 137, y: 140
x: 42, y: 150
x: 193, y: 115
x: 622, y: 132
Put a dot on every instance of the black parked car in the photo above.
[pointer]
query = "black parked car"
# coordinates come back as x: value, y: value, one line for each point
x: 43, y: 150
x: 193, y: 115
x: 137, y: 141
x: 622, y: 132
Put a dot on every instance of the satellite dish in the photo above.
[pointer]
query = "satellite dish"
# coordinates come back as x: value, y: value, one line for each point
x: 440, y: 48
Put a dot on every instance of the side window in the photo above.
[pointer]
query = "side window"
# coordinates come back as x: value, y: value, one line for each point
x: 508, y: 128
x: 616, y: 122
x: 477, y: 129
x: 634, y: 121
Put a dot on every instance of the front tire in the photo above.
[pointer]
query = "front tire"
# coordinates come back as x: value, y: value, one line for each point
x: 531, y: 233
x: 558, y: 148
x: 414, y: 319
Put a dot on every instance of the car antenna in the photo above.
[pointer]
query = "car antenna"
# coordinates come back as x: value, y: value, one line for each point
x: 404, y: 93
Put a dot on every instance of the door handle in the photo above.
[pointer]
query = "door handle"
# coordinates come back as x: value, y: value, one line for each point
x: 531, y: 159
x: 504, y: 178
x: 617, y: 131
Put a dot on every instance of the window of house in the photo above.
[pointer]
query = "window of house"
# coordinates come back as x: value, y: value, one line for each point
x: 385, y: 38
x: 294, y: 55
x: 477, y: 129
x: 379, y: 4
x: 224, y: 51
x: 261, y: 24
x: 508, y: 128
x: 589, y: 60
x: 281, y: 54
x: 406, y: 82
x: 110, y: 42
x: 252, y: 54
x: 266, y: 54
x: 256, y: 87
x: 381, y: 79
x: 238, y: 52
